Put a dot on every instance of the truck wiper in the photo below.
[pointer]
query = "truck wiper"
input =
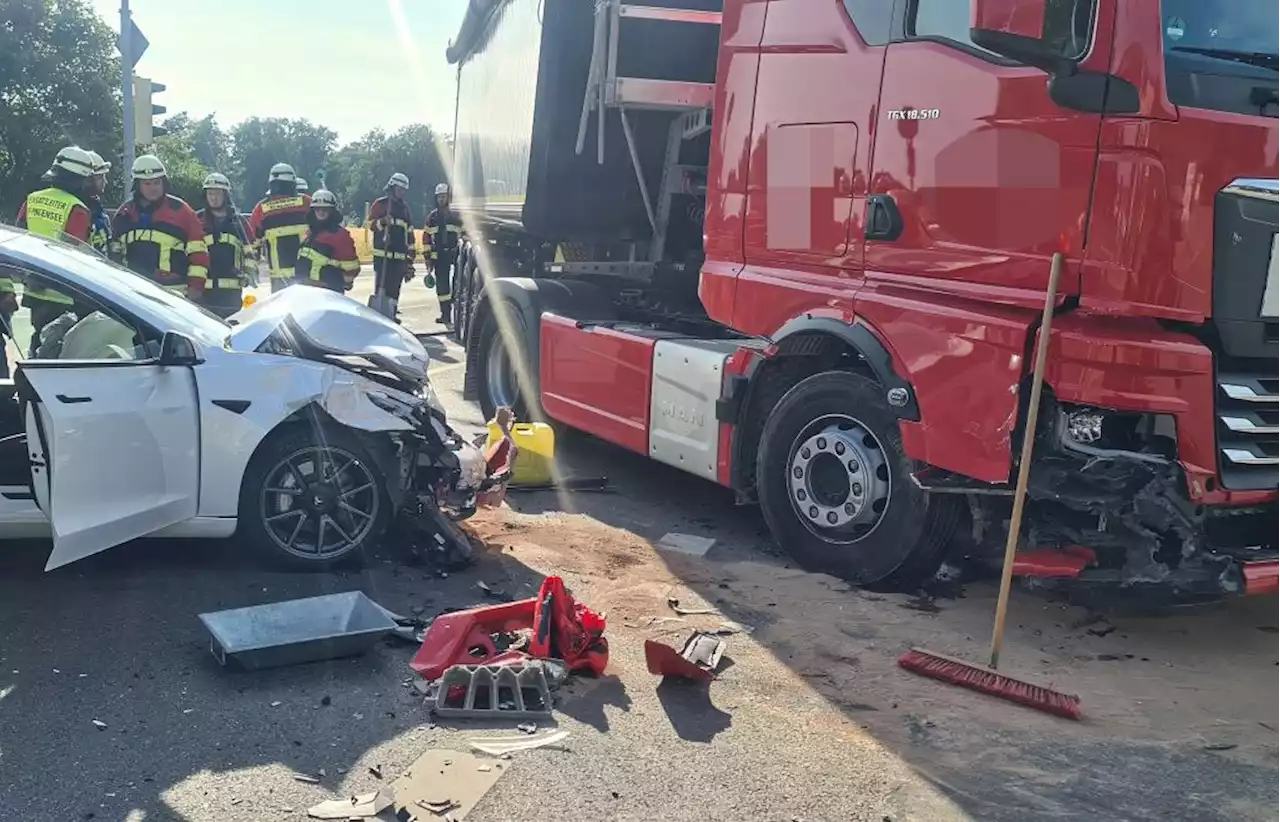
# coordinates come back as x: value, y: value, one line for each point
x: 1254, y: 58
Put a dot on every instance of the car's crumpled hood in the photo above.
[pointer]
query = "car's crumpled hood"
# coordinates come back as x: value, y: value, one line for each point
x: 332, y: 324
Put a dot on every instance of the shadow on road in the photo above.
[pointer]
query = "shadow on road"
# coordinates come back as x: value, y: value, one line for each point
x: 1152, y: 744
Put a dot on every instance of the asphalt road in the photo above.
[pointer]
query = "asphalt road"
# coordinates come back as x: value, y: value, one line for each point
x: 811, y: 722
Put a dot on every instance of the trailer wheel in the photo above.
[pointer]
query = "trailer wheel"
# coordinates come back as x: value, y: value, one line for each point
x: 502, y: 357
x: 462, y: 301
x: 835, y: 489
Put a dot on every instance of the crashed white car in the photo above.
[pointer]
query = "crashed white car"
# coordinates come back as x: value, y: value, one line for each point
x: 305, y: 423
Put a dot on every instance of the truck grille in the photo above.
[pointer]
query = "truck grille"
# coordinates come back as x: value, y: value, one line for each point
x: 1248, y: 411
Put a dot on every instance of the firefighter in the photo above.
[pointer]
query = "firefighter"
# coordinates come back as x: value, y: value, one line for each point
x: 279, y: 223
x: 230, y: 245
x: 100, y: 232
x: 158, y: 235
x: 328, y: 256
x: 57, y: 212
x: 443, y: 230
x: 394, y: 248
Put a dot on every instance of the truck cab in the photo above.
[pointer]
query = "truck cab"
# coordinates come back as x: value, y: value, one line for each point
x: 885, y: 186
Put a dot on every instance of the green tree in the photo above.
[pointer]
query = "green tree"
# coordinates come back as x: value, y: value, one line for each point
x: 359, y: 171
x: 260, y: 142
x: 186, y: 172
x: 59, y: 85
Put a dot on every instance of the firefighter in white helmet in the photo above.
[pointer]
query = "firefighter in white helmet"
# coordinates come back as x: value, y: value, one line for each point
x: 230, y: 245
x: 100, y: 233
x: 159, y: 235
x: 279, y: 223
x: 328, y: 256
x: 58, y: 212
x: 440, y: 242
x: 394, y: 248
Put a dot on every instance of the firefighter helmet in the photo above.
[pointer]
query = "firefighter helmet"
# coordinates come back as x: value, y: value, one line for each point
x: 282, y: 171
x: 442, y: 188
x: 148, y: 167
x: 218, y: 181
x: 398, y: 179
x: 323, y: 198
x: 74, y: 160
x: 100, y: 166
x: 301, y: 185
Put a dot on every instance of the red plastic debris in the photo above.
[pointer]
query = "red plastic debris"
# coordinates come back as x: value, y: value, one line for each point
x: 663, y: 660
x: 1261, y: 577
x: 1053, y: 562
x: 562, y: 629
x: 568, y: 630
x: 465, y: 637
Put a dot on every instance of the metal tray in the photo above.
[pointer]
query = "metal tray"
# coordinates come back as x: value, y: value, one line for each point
x: 297, y: 630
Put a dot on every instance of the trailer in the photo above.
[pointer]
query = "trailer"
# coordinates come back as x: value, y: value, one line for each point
x: 798, y: 248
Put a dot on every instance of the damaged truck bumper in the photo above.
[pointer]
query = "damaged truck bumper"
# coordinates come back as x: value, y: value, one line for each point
x: 1110, y: 518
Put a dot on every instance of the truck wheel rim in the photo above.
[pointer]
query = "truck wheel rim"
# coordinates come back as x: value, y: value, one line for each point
x: 319, y: 503
x: 499, y: 377
x: 838, y: 479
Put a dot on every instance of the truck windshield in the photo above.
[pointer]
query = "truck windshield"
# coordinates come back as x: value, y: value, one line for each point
x: 1239, y: 30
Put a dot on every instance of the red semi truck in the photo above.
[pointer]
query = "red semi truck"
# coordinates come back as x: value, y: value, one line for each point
x: 800, y: 248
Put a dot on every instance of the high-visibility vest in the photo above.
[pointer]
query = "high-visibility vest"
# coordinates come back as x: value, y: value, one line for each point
x: 47, y: 213
x: 226, y: 255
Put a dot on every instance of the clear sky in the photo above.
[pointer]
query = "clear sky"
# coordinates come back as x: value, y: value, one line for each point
x: 352, y: 65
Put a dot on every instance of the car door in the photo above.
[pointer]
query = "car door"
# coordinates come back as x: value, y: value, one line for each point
x: 114, y: 447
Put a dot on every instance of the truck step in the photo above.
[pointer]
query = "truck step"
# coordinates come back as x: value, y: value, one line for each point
x: 941, y: 481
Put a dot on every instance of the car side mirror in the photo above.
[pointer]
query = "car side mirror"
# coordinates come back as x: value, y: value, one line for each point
x: 1016, y: 29
x: 176, y: 349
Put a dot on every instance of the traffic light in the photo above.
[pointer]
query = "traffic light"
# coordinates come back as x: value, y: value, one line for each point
x: 144, y: 110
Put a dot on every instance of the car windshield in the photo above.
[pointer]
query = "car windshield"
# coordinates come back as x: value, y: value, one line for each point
x: 1222, y: 28
x: 121, y: 285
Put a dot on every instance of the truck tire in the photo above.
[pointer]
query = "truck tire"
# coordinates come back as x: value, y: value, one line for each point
x: 289, y: 461
x: 501, y: 355
x: 835, y: 487
x: 463, y: 303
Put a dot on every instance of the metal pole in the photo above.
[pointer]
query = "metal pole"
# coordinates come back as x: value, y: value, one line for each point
x: 126, y: 84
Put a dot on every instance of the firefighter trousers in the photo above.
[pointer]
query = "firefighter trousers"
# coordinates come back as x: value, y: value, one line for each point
x: 443, y: 272
x: 392, y: 284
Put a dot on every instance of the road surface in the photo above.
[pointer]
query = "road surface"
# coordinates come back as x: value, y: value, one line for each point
x: 811, y: 720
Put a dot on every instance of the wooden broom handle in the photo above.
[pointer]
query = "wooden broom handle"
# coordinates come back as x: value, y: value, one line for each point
x: 1024, y: 461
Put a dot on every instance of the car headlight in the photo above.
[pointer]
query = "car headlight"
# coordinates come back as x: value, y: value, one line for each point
x: 433, y: 401
x: 395, y: 406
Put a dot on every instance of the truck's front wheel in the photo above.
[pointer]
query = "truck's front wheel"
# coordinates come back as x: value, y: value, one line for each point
x: 835, y: 487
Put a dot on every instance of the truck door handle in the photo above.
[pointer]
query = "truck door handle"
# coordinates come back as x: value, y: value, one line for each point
x: 72, y: 400
x: 884, y: 220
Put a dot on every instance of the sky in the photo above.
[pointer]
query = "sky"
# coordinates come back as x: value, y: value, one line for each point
x: 351, y: 65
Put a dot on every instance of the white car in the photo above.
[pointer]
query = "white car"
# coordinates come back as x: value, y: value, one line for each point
x: 305, y: 422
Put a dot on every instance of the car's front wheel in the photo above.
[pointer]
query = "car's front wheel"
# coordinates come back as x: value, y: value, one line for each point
x: 313, y: 498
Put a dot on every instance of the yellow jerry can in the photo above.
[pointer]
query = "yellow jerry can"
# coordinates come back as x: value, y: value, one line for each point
x: 536, y: 442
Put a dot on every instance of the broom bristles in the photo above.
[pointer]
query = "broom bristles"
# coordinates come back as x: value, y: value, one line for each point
x: 984, y: 680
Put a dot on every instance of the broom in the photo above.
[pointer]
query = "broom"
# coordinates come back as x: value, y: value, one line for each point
x: 985, y: 679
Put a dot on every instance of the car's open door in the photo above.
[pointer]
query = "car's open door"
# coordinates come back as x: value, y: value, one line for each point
x: 115, y: 450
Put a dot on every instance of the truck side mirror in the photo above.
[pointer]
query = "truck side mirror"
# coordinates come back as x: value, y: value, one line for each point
x: 1017, y: 29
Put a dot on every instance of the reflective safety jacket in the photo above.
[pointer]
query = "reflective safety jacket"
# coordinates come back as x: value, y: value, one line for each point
x: 163, y: 241
x: 280, y: 223
x: 229, y: 243
x: 100, y: 229
x: 444, y: 229
x: 398, y: 243
x: 328, y: 258
x: 51, y: 212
